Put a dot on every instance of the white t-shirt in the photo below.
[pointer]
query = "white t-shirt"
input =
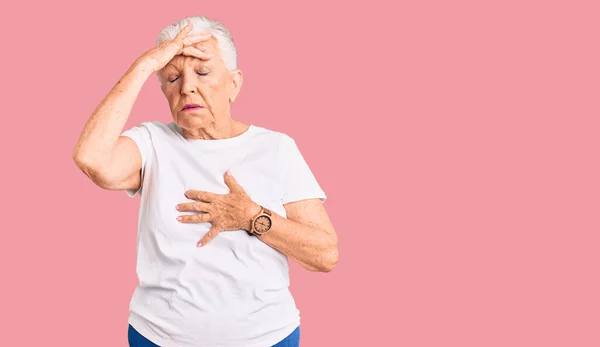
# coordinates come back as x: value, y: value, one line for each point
x: 233, y: 291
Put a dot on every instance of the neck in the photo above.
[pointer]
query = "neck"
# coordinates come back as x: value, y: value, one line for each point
x: 223, y: 129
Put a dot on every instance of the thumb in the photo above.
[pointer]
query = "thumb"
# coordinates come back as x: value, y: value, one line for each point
x: 231, y: 182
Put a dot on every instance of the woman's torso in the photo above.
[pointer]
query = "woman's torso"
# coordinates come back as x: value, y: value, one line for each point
x: 234, y: 290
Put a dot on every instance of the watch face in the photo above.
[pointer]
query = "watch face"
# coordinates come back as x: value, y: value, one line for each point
x: 262, y: 224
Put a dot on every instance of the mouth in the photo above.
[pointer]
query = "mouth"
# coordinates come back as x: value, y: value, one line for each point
x: 191, y: 107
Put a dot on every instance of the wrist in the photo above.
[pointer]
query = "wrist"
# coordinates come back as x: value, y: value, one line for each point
x: 142, y: 67
x: 252, y: 211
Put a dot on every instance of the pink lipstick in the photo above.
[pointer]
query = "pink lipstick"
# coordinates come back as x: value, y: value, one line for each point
x: 191, y: 107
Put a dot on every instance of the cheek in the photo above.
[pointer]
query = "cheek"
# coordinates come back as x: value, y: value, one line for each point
x: 220, y: 85
x: 171, y: 96
x: 213, y: 87
x: 213, y: 82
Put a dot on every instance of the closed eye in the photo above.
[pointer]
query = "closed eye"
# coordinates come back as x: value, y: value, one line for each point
x: 199, y: 73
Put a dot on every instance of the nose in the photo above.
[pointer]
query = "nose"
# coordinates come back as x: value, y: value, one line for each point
x: 188, y: 87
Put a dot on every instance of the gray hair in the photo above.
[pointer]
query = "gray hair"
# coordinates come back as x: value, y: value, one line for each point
x: 201, y: 25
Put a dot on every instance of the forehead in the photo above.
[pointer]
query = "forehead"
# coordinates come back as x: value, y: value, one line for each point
x: 211, y: 45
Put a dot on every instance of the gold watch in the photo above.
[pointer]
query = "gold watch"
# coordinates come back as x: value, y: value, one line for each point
x: 261, y: 223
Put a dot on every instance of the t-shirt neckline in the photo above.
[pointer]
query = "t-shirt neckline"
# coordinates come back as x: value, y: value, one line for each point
x: 218, y: 143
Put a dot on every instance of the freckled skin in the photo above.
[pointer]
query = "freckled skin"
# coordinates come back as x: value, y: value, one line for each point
x: 307, y: 235
x: 215, y: 92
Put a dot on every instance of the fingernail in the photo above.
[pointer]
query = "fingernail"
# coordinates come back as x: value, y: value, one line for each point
x: 177, y: 207
x: 228, y: 172
x: 199, y: 244
x: 179, y: 218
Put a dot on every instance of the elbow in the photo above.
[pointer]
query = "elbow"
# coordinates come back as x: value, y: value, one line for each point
x: 329, y: 260
x: 78, y: 159
x: 92, y: 170
x: 81, y: 156
x: 83, y: 162
x: 86, y: 166
x: 90, y: 160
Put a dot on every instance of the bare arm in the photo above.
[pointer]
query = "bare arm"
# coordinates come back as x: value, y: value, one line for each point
x: 306, y: 235
x: 112, y: 161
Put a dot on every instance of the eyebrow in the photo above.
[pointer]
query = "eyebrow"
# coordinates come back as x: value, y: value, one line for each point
x: 202, y: 63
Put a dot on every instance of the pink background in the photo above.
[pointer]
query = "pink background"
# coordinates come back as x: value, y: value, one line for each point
x: 457, y: 143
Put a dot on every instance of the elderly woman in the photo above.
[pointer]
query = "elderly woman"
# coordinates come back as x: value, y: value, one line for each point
x: 223, y: 204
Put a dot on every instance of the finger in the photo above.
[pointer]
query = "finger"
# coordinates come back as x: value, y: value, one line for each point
x: 211, y: 234
x: 196, y: 38
x: 200, y: 195
x: 195, y: 218
x: 196, y: 206
x: 231, y: 182
x: 184, y: 32
x: 195, y: 52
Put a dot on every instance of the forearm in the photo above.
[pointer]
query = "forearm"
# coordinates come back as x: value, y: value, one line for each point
x: 314, y: 249
x: 106, y: 124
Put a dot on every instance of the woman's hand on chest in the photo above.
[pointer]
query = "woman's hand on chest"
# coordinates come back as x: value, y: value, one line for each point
x: 226, y: 212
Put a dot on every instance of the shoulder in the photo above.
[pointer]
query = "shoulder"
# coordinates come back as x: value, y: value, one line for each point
x: 280, y: 138
x: 157, y: 126
x: 155, y: 129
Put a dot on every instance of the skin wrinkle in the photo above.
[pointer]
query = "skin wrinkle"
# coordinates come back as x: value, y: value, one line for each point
x: 306, y: 235
x: 219, y: 88
x: 116, y: 162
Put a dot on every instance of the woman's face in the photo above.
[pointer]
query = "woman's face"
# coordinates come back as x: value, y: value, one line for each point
x: 208, y: 83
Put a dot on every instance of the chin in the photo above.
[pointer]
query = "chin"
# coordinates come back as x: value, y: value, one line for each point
x: 192, y: 120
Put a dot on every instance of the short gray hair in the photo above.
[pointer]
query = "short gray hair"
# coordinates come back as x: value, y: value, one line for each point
x: 201, y: 25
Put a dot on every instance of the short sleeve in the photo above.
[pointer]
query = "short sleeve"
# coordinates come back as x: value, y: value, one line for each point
x: 299, y: 182
x: 141, y: 136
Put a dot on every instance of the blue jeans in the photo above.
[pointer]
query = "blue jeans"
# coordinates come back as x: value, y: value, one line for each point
x: 137, y: 340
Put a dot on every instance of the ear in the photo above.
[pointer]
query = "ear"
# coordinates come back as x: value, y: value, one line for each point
x: 237, y: 77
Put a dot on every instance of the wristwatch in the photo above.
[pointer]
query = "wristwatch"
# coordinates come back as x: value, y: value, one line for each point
x: 261, y: 223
